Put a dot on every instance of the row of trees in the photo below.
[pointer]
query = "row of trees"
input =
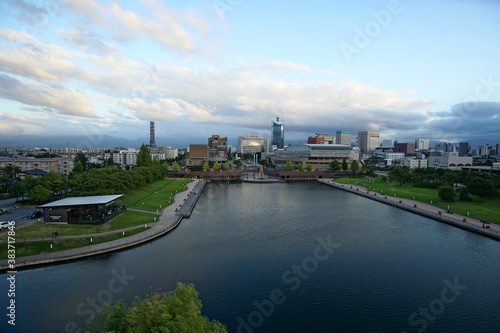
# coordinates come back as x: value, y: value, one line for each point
x: 477, y: 183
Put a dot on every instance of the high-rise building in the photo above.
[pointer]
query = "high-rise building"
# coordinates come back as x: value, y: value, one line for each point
x: 422, y: 144
x: 368, y: 141
x: 387, y: 143
x: 406, y: 148
x: 277, y: 133
x: 343, y: 138
x: 152, y: 142
x: 463, y: 149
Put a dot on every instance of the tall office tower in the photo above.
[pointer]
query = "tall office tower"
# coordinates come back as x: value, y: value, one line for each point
x: 152, y: 142
x: 463, y: 149
x: 343, y: 138
x: 422, y: 144
x: 368, y: 141
x: 277, y: 133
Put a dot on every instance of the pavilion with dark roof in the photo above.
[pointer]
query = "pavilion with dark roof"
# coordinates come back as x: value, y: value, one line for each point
x: 82, y: 210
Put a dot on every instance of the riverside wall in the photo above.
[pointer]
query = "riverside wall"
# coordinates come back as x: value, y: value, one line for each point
x: 459, y: 223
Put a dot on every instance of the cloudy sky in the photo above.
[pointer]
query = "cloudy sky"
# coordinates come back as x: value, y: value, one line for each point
x: 408, y: 69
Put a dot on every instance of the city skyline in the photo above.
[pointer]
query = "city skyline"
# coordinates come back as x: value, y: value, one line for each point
x: 405, y: 69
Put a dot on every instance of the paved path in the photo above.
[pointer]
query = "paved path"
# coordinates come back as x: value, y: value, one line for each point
x: 168, y: 220
x: 417, y: 206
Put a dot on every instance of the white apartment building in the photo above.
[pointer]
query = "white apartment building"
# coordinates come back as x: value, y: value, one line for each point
x: 413, y: 162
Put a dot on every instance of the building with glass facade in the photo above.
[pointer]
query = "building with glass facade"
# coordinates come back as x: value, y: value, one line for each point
x: 277, y: 133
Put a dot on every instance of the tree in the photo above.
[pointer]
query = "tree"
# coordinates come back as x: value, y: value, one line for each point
x: 309, y: 167
x: 334, y: 165
x: 446, y: 193
x: 78, y: 168
x: 176, y: 311
x: 205, y: 166
x: 345, y: 166
x: 226, y: 166
x: 80, y: 157
x: 481, y: 187
x: 300, y: 167
x: 109, y: 162
x: 175, y: 166
x: 10, y: 171
x: 216, y: 166
x: 38, y: 194
x: 144, y: 158
x: 288, y: 166
x: 399, y: 174
x: 17, y: 189
x: 463, y: 194
x: 354, y: 167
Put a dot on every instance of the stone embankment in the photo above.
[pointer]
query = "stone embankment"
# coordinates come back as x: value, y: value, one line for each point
x: 170, y: 218
x: 433, y: 212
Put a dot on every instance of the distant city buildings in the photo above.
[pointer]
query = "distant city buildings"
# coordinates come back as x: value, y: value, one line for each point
x: 277, y: 134
x: 318, y: 155
x: 368, y: 141
x: 61, y: 165
x: 343, y: 137
x: 252, y: 144
x: 217, y: 146
x: 422, y: 144
x: 450, y: 160
x: 387, y: 143
x: 463, y: 149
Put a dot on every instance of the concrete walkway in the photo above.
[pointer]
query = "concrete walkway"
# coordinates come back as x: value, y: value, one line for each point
x: 465, y: 222
x: 169, y: 219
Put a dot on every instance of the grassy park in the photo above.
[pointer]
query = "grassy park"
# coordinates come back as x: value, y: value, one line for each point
x: 155, y: 197
x: 484, y: 209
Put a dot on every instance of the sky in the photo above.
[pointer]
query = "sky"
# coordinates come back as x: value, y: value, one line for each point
x: 407, y: 69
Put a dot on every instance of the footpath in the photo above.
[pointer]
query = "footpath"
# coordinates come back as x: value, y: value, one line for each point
x: 170, y: 218
x: 464, y: 222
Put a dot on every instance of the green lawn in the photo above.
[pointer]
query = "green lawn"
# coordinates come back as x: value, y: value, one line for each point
x: 348, y: 180
x: 32, y: 248
x: 485, y: 209
x: 156, y: 196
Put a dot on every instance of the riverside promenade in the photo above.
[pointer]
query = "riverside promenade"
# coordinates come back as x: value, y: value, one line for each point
x: 170, y: 218
x: 421, y: 208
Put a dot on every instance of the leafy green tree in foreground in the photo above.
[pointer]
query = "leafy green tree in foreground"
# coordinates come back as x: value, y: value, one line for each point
x: 38, y: 194
x: 334, y: 165
x: 176, y: 311
x: 144, y: 158
x: 345, y: 166
x: 446, y: 193
x: 354, y: 168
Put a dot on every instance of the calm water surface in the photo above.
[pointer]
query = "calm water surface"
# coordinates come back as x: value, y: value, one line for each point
x: 294, y: 257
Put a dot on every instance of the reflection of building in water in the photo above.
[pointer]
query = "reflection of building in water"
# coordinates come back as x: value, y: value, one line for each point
x: 252, y: 144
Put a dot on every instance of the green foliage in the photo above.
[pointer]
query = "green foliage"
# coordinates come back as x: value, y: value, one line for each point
x: 78, y: 168
x: 216, y: 166
x: 226, y: 166
x: 345, y: 166
x: 309, y: 167
x: 300, y: 167
x: 480, y: 186
x: 175, y: 166
x: 288, y: 166
x: 400, y: 174
x: 463, y: 194
x: 109, y: 162
x: 81, y: 158
x: 205, y: 166
x: 334, y: 166
x: 144, y: 158
x: 446, y: 193
x: 354, y: 168
x: 38, y: 194
x: 176, y: 311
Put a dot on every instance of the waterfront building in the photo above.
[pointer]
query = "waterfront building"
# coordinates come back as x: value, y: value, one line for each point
x: 277, y: 134
x: 450, y: 160
x: 343, y: 137
x: 368, y: 141
x: 197, y: 155
x: 318, y: 155
x: 252, y: 144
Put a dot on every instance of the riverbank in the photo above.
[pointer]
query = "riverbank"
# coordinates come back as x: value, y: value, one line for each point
x: 417, y: 207
x: 168, y: 220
